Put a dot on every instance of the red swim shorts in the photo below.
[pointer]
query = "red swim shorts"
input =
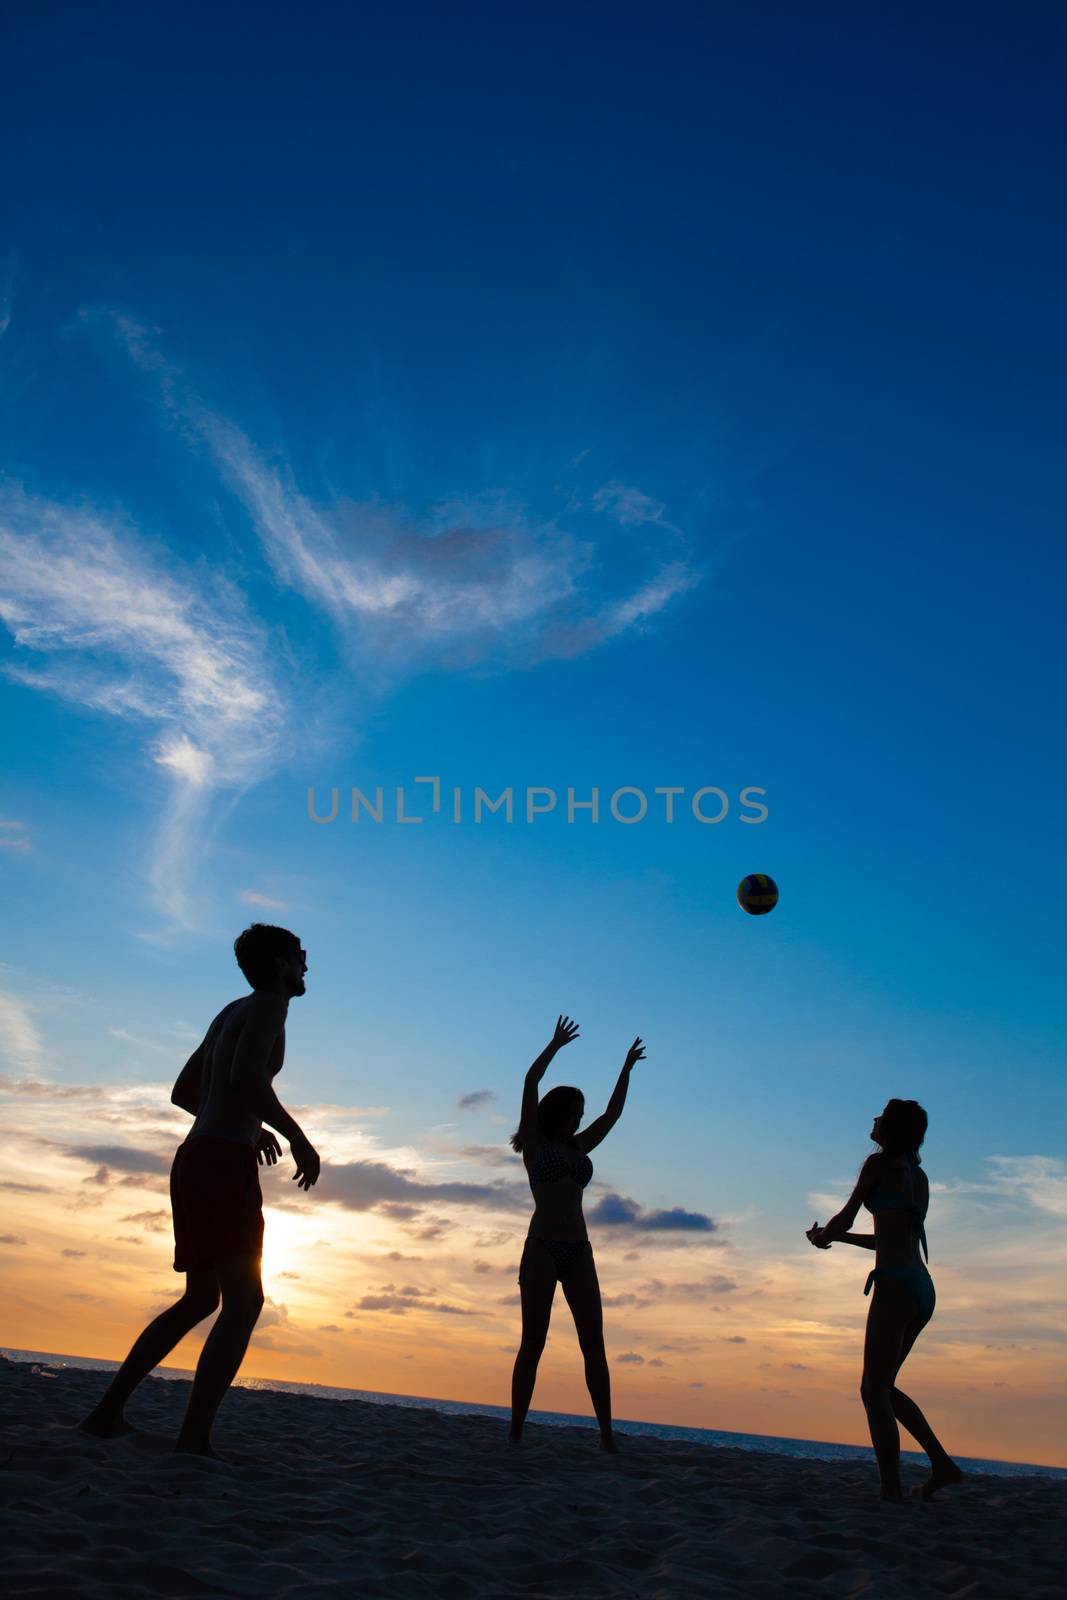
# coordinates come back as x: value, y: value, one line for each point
x: 216, y: 1201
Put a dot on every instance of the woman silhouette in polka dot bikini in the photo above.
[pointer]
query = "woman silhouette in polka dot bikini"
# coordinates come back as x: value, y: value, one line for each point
x: 557, y: 1247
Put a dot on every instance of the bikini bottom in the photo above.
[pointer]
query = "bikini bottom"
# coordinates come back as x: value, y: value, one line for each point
x: 916, y: 1278
x: 566, y: 1253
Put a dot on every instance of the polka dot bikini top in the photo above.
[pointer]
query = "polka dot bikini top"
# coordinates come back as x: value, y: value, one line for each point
x: 554, y: 1161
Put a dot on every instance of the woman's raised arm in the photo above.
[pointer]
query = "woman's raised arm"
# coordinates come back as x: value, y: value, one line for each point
x: 566, y: 1030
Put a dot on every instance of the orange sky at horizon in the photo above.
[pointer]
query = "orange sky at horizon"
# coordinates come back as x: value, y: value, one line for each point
x: 746, y: 1334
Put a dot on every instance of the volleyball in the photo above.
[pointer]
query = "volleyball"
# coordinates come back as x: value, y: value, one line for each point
x: 757, y: 894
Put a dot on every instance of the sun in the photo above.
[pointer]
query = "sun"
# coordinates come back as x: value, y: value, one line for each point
x: 285, y: 1245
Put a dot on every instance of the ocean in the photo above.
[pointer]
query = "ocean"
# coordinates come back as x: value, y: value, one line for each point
x: 813, y: 1449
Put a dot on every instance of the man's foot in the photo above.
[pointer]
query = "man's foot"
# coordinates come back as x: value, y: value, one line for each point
x: 104, y: 1425
x: 942, y: 1473
x: 895, y: 1497
x: 607, y: 1442
x: 514, y: 1438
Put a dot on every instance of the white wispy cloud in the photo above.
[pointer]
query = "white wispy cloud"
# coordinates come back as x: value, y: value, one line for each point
x: 19, y: 1041
x: 141, y: 1043
x: 478, y: 578
x: 1040, y: 1179
x: 140, y: 640
x: 629, y: 505
x: 14, y: 835
x: 252, y: 897
x: 114, y: 624
x: 364, y: 565
x: 673, y: 579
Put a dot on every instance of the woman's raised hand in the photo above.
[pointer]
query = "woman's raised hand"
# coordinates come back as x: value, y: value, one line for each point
x: 566, y: 1030
x: 636, y: 1052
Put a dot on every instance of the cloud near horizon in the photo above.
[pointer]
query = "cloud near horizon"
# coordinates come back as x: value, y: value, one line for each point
x: 616, y: 1211
x: 476, y: 1099
x: 137, y: 1130
x: 94, y: 1199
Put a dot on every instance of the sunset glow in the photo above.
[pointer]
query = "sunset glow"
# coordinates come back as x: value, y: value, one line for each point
x: 474, y: 501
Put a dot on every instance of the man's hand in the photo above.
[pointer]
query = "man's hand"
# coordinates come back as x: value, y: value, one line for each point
x: 268, y: 1150
x: 635, y: 1053
x: 307, y: 1162
x: 566, y: 1030
x: 817, y: 1236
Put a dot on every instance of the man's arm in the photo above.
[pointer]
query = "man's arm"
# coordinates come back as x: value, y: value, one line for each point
x: 250, y: 1078
x: 186, y: 1091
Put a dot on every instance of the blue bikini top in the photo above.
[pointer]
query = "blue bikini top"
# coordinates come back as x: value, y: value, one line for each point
x: 560, y: 1161
x: 889, y: 1200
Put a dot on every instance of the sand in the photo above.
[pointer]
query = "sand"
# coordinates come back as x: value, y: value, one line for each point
x: 326, y: 1497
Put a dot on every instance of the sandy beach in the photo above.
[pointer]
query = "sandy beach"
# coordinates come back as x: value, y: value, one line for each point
x: 323, y: 1497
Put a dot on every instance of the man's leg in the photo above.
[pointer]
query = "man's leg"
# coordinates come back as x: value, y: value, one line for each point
x: 224, y: 1349
x: 200, y: 1299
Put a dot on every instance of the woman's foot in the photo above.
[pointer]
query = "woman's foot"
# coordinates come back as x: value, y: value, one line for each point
x: 607, y: 1442
x: 515, y: 1438
x: 105, y: 1424
x: 941, y: 1473
x: 196, y: 1447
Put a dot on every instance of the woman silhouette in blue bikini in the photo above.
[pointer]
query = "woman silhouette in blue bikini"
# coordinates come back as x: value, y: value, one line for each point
x: 894, y: 1189
x: 557, y: 1247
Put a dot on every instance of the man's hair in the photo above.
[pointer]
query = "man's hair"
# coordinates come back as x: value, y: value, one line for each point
x: 257, y: 948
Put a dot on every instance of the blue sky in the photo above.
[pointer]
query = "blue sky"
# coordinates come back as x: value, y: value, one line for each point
x: 531, y: 397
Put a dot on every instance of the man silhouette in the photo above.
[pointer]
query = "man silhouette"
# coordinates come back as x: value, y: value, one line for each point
x: 214, y: 1186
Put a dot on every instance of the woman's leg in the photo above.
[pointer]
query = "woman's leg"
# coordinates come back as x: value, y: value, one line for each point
x: 892, y: 1310
x: 537, y: 1290
x: 200, y: 1299
x: 582, y: 1289
x: 942, y: 1467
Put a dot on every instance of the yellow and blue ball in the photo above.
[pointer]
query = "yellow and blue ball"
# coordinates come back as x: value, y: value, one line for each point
x: 757, y: 894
